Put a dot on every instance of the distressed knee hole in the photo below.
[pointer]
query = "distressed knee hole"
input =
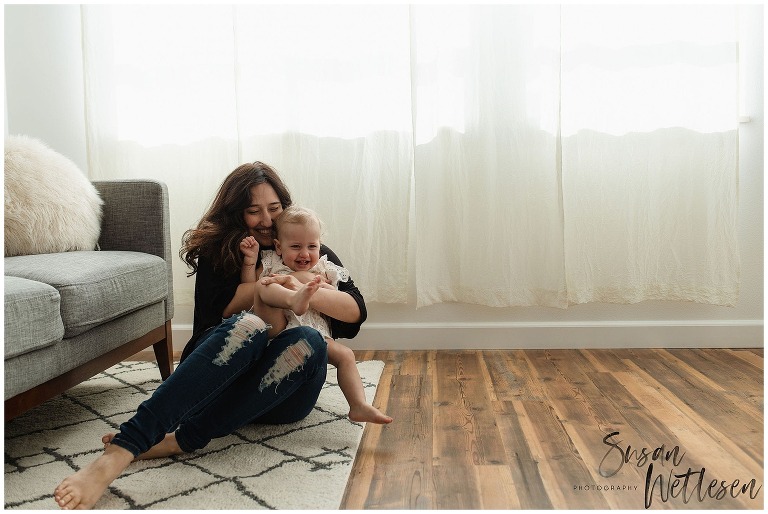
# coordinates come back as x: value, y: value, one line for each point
x: 242, y: 331
x: 292, y: 359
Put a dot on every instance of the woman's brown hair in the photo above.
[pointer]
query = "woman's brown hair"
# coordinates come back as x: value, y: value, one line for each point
x: 220, y: 230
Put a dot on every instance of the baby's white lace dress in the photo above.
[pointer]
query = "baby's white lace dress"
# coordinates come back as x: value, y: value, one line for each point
x: 273, y: 264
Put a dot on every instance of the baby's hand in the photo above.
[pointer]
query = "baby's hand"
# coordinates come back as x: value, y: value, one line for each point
x: 250, y: 247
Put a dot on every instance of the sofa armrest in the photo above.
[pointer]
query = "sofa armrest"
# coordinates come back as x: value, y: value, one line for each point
x: 136, y: 217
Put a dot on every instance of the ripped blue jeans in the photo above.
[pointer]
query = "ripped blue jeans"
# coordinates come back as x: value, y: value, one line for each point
x: 235, y: 376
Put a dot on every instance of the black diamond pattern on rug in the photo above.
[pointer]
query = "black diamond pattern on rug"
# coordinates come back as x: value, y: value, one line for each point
x: 302, y: 465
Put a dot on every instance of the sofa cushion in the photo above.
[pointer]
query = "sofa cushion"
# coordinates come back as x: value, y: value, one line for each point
x: 32, y: 319
x: 95, y: 286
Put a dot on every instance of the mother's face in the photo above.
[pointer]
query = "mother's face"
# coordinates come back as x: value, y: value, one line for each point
x: 265, y: 207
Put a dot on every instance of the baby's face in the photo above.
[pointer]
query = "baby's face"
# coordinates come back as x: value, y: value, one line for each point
x: 299, y: 246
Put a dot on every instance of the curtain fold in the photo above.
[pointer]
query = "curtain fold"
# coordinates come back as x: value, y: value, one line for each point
x: 187, y: 93
x: 650, y: 153
x: 558, y: 155
x: 489, y: 224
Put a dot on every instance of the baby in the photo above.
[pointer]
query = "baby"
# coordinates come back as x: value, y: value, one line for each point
x: 297, y: 253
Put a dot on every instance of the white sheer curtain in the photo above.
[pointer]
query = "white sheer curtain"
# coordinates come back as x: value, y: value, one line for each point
x: 576, y: 154
x: 322, y: 93
x: 489, y: 220
x: 650, y: 153
x: 559, y: 154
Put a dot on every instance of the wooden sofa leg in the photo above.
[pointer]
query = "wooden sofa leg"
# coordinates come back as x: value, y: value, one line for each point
x: 164, y: 353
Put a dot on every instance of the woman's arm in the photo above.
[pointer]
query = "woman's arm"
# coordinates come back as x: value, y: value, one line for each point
x: 214, y: 291
x: 219, y: 295
x: 336, y: 304
x: 242, y: 300
x: 331, y: 302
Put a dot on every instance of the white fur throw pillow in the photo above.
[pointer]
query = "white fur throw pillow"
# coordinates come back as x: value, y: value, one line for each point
x: 50, y: 205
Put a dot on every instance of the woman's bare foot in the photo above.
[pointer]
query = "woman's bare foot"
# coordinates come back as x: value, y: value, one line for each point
x: 84, y: 488
x: 299, y: 301
x: 165, y: 448
x: 369, y: 414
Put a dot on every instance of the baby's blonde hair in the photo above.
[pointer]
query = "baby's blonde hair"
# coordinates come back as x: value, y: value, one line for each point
x: 299, y: 216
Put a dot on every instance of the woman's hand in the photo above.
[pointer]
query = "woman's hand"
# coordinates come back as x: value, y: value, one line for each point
x: 301, y: 278
x: 308, y: 276
x: 287, y: 281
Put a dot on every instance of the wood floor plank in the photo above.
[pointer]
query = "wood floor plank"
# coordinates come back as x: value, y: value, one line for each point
x: 587, y: 394
x: 417, y: 363
x: 702, y: 442
x: 710, y: 377
x: 603, y: 360
x: 564, y: 466
x: 497, y: 488
x: 630, y: 459
x: 583, y: 401
x: 504, y: 382
x: 586, y: 416
x: 524, y: 429
x: 729, y: 373
x: 456, y: 490
x: 711, y: 408
x: 511, y: 376
x: 573, y: 441
x: 757, y: 352
x: 457, y: 431
x: 465, y: 428
x: 365, y: 461
x: 522, y: 450
x: 405, y: 446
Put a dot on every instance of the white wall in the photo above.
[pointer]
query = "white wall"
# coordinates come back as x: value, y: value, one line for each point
x: 43, y: 74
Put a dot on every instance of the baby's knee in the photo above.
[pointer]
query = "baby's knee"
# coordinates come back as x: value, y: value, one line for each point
x: 340, y: 355
x: 345, y: 354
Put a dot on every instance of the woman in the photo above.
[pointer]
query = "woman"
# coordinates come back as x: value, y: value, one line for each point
x: 228, y: 374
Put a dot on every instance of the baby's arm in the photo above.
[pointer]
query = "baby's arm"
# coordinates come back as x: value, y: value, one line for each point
x: 250, y: 249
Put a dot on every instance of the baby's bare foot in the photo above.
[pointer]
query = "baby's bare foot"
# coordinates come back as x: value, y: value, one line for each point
x: 369, y: 414
x: 165, y: 448
x: 299, y: 302
x: 84, y: 488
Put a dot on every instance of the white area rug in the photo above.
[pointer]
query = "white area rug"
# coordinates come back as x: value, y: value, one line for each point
x: 303, y: 465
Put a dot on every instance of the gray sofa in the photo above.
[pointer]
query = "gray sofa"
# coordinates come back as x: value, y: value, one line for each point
x: 71, y: 315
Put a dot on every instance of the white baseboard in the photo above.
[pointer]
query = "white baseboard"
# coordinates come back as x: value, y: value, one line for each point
x: 532, y: 335
x: 181, y: 334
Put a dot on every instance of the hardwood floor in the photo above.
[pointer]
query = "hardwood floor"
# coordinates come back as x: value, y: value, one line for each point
x: 530, y: 429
